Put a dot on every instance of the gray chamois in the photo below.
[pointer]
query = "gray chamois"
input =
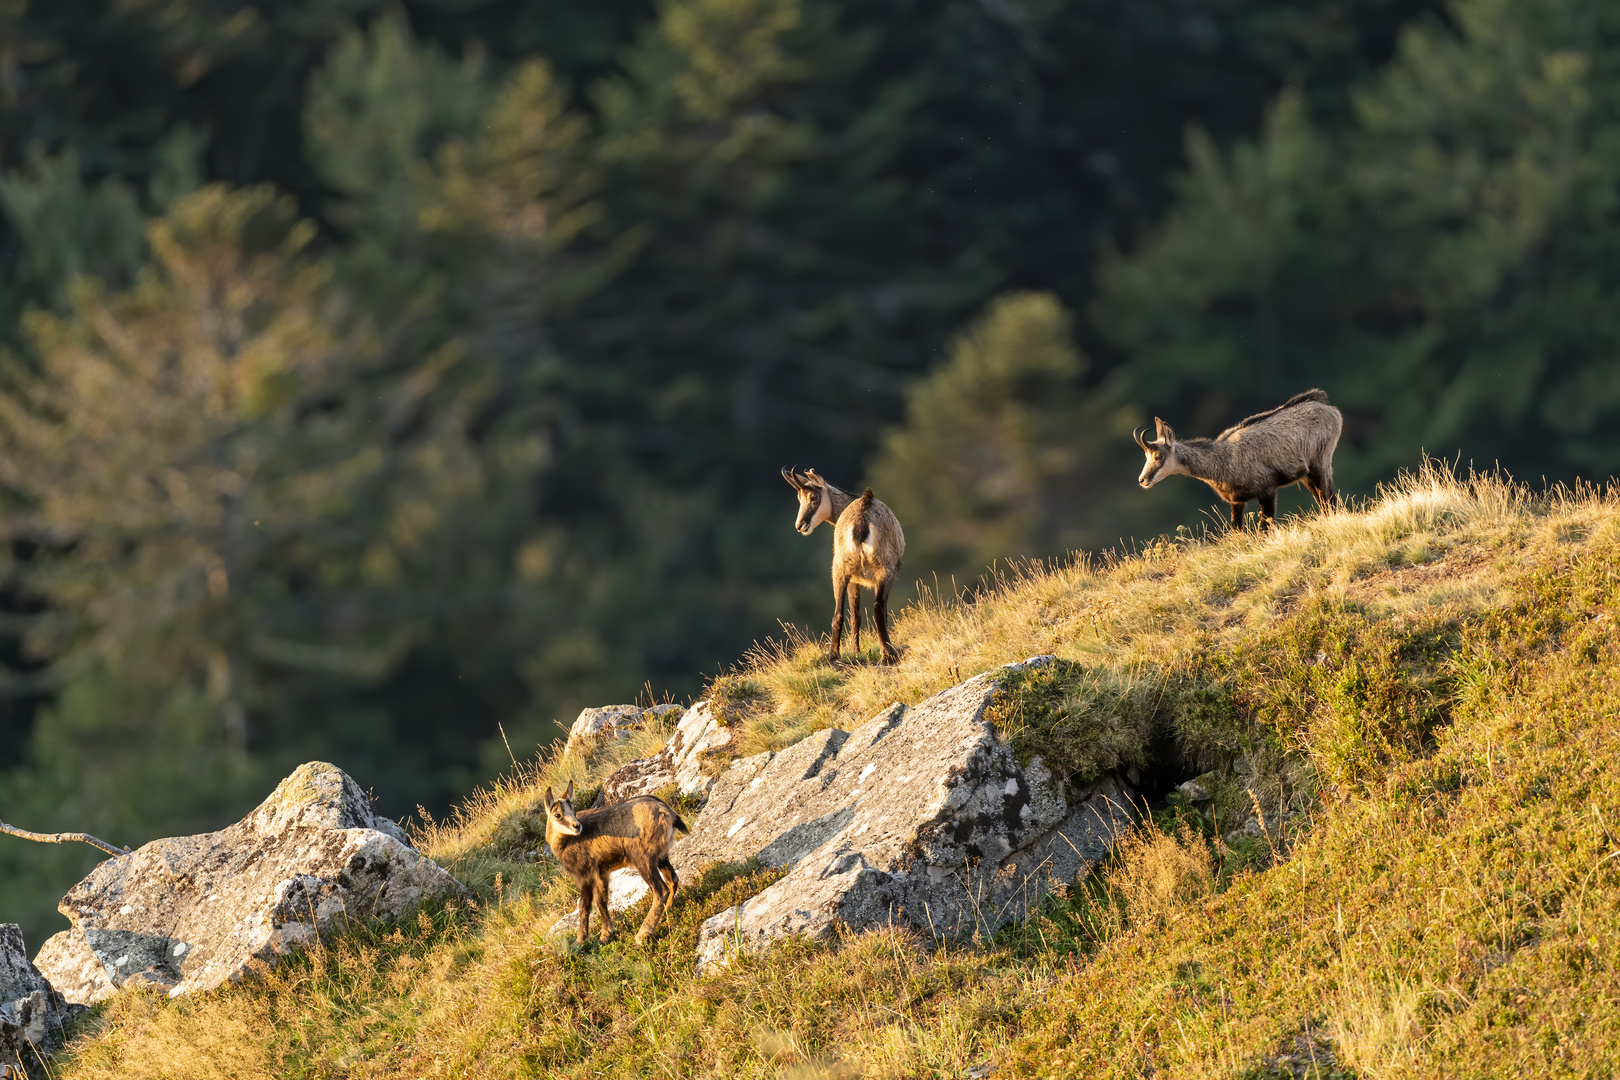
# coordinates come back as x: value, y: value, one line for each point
x: 591, y: 844
x: 868, y: 547
x: 1290, y: 444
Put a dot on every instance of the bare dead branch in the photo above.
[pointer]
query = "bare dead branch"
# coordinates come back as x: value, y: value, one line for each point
x: 63, y: 838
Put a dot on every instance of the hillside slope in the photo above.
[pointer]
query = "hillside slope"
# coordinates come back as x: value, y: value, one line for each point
x: 1420, y: 697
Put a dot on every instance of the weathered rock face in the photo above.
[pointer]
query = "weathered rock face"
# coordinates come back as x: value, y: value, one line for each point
x: 32, y: 1015
x: 697, y: 737
x: 920, y: 817
x: 190, y: 913
x: 609, y: 721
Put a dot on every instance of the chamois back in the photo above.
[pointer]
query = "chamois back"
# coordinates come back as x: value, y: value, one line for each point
x: 1292, y: 443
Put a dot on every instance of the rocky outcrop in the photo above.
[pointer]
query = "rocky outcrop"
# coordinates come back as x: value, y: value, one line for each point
x: 190, y: 913
x: 691, y: 759
x: 595, y: 726
x: 919, y: 817
x: 33, y: 1016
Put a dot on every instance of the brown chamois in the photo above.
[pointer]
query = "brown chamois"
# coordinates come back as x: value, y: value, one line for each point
x: 591, y: 844
x: 868, y: 546
x: 1290, y: 444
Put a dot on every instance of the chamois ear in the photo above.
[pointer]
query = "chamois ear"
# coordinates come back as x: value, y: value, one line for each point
x: 550, y: 801
x: 815, y: 478
x: 1167, y: 434
x: 568, y: 796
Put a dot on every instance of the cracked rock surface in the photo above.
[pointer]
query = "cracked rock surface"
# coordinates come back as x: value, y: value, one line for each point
x: 33, y: 1016
x: 680, y: 762
x: 193, y: 912
x: 597, y: 725
x: 919, y: 817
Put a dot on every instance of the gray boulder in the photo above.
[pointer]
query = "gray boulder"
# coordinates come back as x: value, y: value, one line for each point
x: 193, y: 912
x: 920, y: 817
x: 686, y: 759
x: 595, y: 726
x: 33, y: 1016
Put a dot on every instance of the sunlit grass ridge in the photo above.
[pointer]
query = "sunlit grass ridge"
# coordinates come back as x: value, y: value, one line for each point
x: 1418, y: 693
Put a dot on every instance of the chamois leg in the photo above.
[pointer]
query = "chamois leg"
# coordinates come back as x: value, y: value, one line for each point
x: 855, y: 615
x: 587, y: 895
x: 840, y: 598
x: 650, y: 873
x: 667, y: 868
x: 1268, y: 509
x: 608, y: 929
x: 880, y: 615
x: 1320, y: 481
x: 1237, y: 515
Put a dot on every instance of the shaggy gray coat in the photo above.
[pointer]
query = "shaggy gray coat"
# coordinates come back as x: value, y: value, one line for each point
x: 1290, y: 444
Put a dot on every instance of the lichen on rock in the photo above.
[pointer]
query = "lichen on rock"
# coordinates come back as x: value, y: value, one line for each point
x: 193, y: 912
x: 33, y: 1015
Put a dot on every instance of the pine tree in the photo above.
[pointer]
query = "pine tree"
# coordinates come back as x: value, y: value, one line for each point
x: 986, y: 465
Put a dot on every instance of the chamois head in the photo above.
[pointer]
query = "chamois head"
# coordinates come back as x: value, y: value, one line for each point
x: 1161, y: 454
x: 561, y: 811
x: 814, y: 505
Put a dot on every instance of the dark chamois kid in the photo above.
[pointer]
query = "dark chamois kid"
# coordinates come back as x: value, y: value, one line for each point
x: 591, y: 844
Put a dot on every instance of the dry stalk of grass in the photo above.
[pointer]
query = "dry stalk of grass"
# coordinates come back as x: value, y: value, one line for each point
x: 1157, y: 874
x: 1376, y: 1025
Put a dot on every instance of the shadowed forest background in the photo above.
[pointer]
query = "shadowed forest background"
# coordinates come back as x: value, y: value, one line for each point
x: 382, y: 376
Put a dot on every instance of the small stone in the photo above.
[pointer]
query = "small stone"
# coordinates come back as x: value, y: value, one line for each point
x: 1199, y: 788
x: 607, y: 721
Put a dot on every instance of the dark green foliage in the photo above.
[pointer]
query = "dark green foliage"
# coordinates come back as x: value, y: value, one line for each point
x: 985, y: 465
x: 1442, y: 264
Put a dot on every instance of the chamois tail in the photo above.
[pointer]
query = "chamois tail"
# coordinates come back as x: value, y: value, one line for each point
x: 680, y: 826
x: 861, y: 530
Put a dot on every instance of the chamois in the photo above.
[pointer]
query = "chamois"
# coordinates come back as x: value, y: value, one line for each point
x: 591, y: 844
x: 1290, y: 444
x: 868, y: 546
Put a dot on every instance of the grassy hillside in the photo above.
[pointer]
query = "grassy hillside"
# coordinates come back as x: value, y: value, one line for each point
x: 1420, y: 696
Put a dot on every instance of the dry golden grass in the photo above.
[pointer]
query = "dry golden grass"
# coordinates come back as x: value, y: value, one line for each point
x: 1431, y: 681
x: 1430, y: 540
x: 1157, y: 874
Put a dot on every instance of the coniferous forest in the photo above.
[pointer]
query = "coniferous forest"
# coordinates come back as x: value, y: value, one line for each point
x: 381, y: 381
